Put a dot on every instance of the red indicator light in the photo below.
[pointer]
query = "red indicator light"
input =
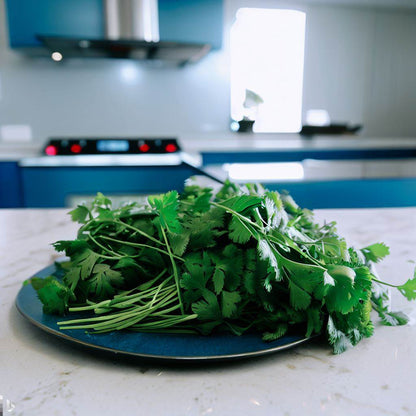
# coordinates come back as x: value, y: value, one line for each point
x: 76, y: 148
x: 170, y: 148
x: 51, y: 150
x: 144, y: 148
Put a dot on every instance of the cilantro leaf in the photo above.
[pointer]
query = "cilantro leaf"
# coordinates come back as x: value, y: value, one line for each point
x: 280, y: 330
x: 205, y: 228
x: 408, y: 289
x: 239, y: 231
x: 53, y: 294
x: 218, y: 279
x: 266, y: 253
x: 179, y: 242
x: 249, y: 273
x: 70, y: 246
x: 375, y: 252
x: 166, y: 205
x: 338, y: 339
x: 101, y: 201
x: 276, y: 215
x: 242, y: 202
x: 229, y: 303
x: 80, y: 214
x: 207, y: 309
x: 72, y: 277
x: 104, y: 281
x: 395, y: 318
x: 86, y: 260
x: 199, y: 198
x: 350, y: 287
x: 315, y: 322
x: 126, y: 262
x: 194, y: 281
x: 299, y: 298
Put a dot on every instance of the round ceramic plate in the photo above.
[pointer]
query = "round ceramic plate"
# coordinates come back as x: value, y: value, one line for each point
x: 150, y: 345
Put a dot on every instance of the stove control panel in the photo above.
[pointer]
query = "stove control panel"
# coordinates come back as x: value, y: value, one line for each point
x: 106, y: 146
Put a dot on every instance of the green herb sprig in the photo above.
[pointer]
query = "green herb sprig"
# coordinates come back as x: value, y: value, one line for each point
x: 241, y: 259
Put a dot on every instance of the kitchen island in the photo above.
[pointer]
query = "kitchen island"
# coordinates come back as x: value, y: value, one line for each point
x: 375, y: 172
x: 43, y: 375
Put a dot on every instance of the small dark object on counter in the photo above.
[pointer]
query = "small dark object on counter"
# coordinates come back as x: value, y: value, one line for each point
x: 330, y: 129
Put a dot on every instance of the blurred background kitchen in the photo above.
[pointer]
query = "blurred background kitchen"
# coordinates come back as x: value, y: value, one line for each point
x: 133, y: 97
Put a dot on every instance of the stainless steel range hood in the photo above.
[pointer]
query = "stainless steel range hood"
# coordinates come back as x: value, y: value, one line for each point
x: 132, y: 19
x: 131, y: 32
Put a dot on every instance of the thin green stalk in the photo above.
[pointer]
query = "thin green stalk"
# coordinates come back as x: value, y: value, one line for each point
x: 129, y: 243
x: 108, y: 321
x: 167, y: 322
x: 119, y: 222
x: 137, y: 230
x: 175, y: 270
x: 237, y: 214
x: 103, y: 247
x: 384, y: 283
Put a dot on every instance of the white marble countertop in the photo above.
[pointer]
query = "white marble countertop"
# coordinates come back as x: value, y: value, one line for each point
x: 42, y: 375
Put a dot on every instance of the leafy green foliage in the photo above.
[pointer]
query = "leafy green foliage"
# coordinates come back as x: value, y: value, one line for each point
x: 52, y: 293
x: 243, y: 258
x: 167, y: 207
x: 338, y: 339
x: 80, y: 214
x: 375, y: 252
x: 104, y: 281
x: 409, y: 289
x: 280, y: 330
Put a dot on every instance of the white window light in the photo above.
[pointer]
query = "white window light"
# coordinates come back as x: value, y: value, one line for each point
x: 267, y: 54
x: 265, y: 172
x: 318, y: 117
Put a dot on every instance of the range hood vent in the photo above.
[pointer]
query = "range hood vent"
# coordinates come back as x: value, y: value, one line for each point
x: 132, y: 19
x: 131, y: 32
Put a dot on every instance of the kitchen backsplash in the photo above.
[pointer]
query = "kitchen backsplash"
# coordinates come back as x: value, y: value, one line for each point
x: 359, y: 64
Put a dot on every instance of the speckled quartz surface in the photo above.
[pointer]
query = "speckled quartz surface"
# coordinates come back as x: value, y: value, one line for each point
x: 42, y: 375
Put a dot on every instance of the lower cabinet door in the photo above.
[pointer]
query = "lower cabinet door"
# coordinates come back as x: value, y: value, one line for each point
x: 61, y: 186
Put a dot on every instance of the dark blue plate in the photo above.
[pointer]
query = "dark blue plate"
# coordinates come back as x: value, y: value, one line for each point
x: 150, y: 345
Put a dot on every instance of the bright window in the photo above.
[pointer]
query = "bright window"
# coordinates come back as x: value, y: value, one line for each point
x: 267, y: 52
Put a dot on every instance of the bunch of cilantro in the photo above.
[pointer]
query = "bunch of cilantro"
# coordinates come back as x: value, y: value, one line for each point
x: 240, y: 259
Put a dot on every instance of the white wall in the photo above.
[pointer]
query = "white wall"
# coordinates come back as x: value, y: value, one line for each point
x: 359, y: 65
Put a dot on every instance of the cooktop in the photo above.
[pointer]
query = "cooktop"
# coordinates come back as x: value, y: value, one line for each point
x: 106, y: 145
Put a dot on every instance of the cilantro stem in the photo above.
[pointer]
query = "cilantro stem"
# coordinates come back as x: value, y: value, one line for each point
x: 175, y: 270
x: 124, y: 224
x: 103, y: 247
x: 124, y: 319
x: 384, y: 283
x: 137, y: 230
x: 231, y: 211
x: 260, y: 220
x: 129, y: 243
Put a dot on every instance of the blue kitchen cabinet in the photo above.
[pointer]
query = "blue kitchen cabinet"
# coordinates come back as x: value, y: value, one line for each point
x: 357, y: 193
x: 10, y: 185
x: 44, y: 187
x: 219, y: 157
x: 51, y: 187
x: 28, y: 18
x: 194, y: 21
